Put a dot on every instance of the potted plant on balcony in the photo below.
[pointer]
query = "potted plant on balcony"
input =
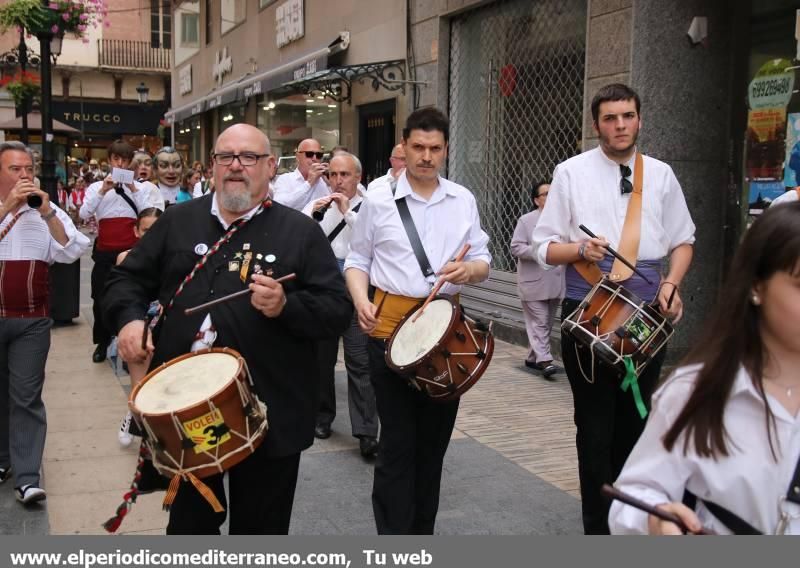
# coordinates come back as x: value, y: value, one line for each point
x: 22, y: 86
x: 58, y: 16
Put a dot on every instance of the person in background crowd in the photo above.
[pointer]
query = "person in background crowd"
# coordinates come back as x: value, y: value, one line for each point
x: 307, y: 182
x: 142, y: 166
x: 116, y: 208
x: 190, y: 179
x: 540, y: 290
x: 397, y: 159
x: 30, y: 241
x: 169, y: 170
x: 336, y: 215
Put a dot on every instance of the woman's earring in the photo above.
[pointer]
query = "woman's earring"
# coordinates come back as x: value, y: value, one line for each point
x: 755, y: 299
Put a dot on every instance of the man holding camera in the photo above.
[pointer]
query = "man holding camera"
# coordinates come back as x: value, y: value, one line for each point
x: 34, y: 233
x: 115, y: 206
x: 308, y: 182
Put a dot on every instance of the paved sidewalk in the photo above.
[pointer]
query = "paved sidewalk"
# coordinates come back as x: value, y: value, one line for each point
x: 511, y: 467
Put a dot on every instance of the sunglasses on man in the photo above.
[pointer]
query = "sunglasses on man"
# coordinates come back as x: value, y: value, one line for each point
x: 309, y: 154
x: 625, y: 185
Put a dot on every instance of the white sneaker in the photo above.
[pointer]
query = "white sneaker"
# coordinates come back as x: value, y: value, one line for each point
x: 124, y: 435
x: 28, y: 494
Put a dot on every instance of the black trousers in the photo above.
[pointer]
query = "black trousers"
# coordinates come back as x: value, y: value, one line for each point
x: 415, y: 433
x: 103, y: 263
x: 327, y: 352
x: 608, y: 423
x: 261, y: 498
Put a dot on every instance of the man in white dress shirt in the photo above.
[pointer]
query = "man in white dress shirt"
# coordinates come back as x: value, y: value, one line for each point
x: 398, y: 161
x: 594, y: 189
x: 307, y: 182
x: 415, y: 430
x: 31, y: 239
x: 337, y: 214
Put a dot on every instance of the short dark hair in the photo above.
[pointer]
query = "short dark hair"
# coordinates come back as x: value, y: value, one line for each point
x: 122, y: 149
x: 535, y: 191
x: 428, y: 119
x: 614, y: 92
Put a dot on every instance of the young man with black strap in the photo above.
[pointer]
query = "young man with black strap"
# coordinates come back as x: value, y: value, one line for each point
x: 415, y: 430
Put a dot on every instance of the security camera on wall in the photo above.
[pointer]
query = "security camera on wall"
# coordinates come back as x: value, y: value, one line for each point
x: 698, y: 31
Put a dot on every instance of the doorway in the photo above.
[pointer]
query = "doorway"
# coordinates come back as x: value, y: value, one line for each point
x: 376, y: 138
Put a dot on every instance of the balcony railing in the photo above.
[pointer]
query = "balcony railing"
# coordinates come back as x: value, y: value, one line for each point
x: 131, y: 54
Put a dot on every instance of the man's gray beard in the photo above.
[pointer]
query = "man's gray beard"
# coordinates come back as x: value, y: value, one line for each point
x: 238, y: 203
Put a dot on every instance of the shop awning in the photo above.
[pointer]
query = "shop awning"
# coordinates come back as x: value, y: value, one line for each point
x: 337, y: 82
x: 35, y: 123
x: 252, y: 85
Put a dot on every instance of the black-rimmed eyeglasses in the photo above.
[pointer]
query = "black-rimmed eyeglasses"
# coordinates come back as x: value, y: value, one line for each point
x: 309, y: 154
x: 246, y: 159
x: 625, y: 185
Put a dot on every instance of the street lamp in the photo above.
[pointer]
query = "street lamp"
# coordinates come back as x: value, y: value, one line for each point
x: 55, y: 46
x: 143, y: 91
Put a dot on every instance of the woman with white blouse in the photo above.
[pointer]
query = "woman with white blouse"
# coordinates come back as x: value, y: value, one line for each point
x: 725, y: 427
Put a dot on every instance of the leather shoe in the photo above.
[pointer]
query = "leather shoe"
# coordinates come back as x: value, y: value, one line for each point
x: 322, y: 431
x: 99, y: 354
x: 368, y: 446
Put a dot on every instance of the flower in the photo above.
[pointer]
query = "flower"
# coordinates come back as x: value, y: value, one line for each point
x: 23, y: 86
x: 58, y: 17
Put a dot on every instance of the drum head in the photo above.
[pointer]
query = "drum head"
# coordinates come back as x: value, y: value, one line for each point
x: 186, y: 382
x: 414, y: 339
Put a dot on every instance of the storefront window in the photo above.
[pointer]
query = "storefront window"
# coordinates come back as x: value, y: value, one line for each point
x: 187, y: 138
x: 232, y: 13
x: 772, y: 140
x: 230, y: 114
x: 291, y: 119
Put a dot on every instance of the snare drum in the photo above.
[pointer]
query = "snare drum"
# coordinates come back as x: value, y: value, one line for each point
x: 199, y: 413
x: 443, y: 352
x: 615, y: 323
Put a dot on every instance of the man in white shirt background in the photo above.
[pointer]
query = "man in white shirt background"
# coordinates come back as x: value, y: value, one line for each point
x: 307, y: 182
x: 32, y: 237
x: 398, y: 161
x: 337, y: 214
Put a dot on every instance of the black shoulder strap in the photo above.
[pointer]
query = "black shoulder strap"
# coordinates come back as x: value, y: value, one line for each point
x: 130, y: 202
x: 734, y: 522
x: 338, y: 228
x: 413, y: 236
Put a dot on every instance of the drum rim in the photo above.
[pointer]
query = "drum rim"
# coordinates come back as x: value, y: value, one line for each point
x: 226, y: 350
x: 403, y: 368
x: 634, y: 300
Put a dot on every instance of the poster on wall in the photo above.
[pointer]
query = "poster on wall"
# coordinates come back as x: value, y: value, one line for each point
x: 762, y: 194
x: 765, y: 144
x: 791, y: 170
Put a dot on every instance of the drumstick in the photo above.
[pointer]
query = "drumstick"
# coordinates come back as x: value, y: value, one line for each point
x: 671, y: 297
x: 614, y: 493
x: 190, y: 311
x: 147, y: 321
x: 440, y: 283
x: 615, y: 254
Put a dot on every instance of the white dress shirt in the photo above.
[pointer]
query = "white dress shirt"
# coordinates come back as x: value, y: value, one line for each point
x: 383, y: 180
x: 787, y: 197
x: 292, y: 190
x: 169, y: 194
x: 111, y: 205
x: 333, y: 216
x: 586, y: 191
x: 30, y: 239
x: 380, y: 246
x: 154, y: 198
x: 748, y: 482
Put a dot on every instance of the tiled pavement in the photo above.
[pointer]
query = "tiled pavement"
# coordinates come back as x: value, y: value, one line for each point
x: 511, y: 467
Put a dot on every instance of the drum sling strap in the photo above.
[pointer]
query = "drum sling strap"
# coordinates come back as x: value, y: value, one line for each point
x: 629, y: 249
x: 413, y: 235
x: 338, y: 228
x: 738, y: 525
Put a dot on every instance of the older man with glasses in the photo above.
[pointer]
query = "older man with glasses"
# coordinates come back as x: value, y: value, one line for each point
x: 226, y: 241
x: 308, y: 182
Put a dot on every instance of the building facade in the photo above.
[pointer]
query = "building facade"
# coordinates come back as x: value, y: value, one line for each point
x: 334, y: 71
x: 516, y: 78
